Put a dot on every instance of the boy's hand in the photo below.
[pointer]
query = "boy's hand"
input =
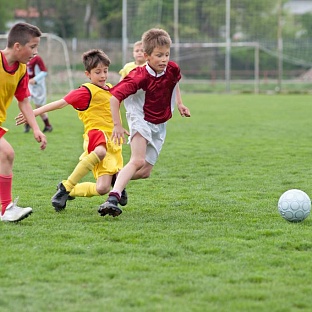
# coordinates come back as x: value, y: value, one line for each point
x: 20, y: 119
x: 40, y: 138
x: 184, y: 111
x: 119, y: 134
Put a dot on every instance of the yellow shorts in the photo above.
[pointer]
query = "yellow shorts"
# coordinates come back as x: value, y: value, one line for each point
x: 113, y: 160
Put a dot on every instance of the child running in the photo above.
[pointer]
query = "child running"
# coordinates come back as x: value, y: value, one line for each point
x: 22, y: 46
x: 149, y: 94
x: 37, y: 72
x: 101, y: 155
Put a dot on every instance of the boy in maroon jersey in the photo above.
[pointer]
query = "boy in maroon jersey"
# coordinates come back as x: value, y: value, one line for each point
x: 149, y: 94
x: 37, y: 72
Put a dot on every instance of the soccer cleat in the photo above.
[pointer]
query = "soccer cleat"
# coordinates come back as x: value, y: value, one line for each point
x: 47, y: 129
x: 123, y: 198
x: 110, y: 207
x: 26, y: 128
x: 60, y: 197
x: 13, y: 213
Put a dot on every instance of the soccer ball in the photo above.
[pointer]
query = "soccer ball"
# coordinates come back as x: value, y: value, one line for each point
x: 294, y: 205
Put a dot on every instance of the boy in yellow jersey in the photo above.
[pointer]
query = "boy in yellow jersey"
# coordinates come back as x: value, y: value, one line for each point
x: 22, y: 46
x: 139, y: 60
x: 101, y: 155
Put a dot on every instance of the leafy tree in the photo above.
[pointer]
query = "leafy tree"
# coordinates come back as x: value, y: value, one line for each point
x: 109, y: 14
x: 7, y: 12
x: 305, y: 21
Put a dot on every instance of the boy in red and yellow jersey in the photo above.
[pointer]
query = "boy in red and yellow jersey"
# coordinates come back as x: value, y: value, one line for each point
x: 22, y: 44
x: 101, y: 155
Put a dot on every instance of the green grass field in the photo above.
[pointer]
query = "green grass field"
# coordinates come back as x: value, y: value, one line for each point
x: 202, y: 234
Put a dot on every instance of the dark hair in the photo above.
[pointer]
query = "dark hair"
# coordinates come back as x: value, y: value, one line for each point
x: 153, y: 38
x: 22, y: 33
x: 93, y: 57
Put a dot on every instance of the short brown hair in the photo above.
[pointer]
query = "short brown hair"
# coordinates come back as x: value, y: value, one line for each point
x: 22, y: 33
x: 153, y: 38
x: 93, y: 57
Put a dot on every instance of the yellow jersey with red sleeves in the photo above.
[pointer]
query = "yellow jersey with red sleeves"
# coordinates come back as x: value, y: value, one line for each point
x: 9, y: 81
x: 98, y: 114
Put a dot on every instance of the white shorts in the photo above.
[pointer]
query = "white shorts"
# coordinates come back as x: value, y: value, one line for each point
x: 154, y: 134
x: 38, y: 94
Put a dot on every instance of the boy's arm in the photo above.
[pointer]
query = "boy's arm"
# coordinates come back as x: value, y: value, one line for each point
x: 184, y: 111
x: 38, y: 77
x: 50, y: 107
x: 26, y: 109
x: 21, y: 118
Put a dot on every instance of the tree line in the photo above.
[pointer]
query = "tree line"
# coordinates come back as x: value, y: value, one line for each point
x: 198, y: 19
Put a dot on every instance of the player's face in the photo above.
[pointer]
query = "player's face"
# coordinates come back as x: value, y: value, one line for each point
x: 138, y: 54
x: 98, y: 75
x: 159, y: 58
x: 26, y: 52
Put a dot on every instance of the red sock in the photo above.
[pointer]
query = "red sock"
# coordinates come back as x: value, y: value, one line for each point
x: 5, y: 191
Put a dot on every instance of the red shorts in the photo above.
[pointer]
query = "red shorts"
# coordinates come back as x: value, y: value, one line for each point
x: 112, y: 162
x: 2, y: 131
x: 96, y: 138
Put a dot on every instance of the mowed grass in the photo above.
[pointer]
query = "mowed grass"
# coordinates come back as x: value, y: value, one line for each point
x: 201, y: 234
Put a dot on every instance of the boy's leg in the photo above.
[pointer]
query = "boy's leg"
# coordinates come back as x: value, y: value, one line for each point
x: 144, y: 172
x: 5, y: 191
x: 123, y: 196
x: 85, y: 189
x: 137, y: 160
x: 47, y: 126
x: 64, y: 188
x: 6, y: 172
x: 10, y: 212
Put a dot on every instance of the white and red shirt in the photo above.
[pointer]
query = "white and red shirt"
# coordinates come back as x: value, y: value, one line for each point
x: 35, y: 65
x: 152, y: 93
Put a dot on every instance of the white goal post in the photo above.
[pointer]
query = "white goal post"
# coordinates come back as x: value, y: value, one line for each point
x: 54, y: 53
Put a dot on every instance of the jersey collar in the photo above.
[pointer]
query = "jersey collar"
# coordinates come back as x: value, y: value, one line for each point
x: 152, y: 72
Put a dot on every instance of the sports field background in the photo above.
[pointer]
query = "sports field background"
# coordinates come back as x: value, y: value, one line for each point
x: 201, y: 234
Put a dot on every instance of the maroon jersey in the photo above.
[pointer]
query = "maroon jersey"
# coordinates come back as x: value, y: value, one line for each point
x: 36, y: 61
x: 158, y: 97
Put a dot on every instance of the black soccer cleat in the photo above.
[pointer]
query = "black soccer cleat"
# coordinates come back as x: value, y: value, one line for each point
x: 47, y: 129
x: 110, y: 207
x: 26, y: 128
x: 123, y: 198
x: 71, y: 197
x: 60, y: 197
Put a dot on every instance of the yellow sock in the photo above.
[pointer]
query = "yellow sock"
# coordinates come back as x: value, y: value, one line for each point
x: 85, y: 189
x: 81, y: 170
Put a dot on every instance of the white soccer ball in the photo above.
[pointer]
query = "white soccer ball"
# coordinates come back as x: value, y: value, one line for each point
x: 294, y: 205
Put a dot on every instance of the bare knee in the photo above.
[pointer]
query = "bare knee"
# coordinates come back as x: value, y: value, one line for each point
x: 144, y: 174
x: 102, y: 190
x: 7, y: 155
x: 138, y: 163
x: 10, y: 155
x: 100, y: 151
